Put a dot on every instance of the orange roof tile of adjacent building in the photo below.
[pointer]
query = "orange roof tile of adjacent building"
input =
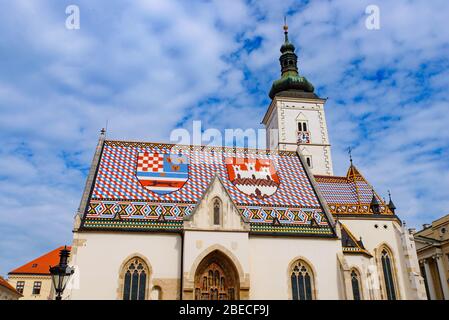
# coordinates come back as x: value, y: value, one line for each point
x: 8, y: 286
x: 40, y: 265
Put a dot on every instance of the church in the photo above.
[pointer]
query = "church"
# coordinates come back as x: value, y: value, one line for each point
x: 160, y: 221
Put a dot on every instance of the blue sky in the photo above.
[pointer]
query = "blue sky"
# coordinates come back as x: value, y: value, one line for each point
x: 148, y: 67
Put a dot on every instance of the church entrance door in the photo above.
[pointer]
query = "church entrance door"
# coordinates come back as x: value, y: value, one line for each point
x: 216, y: 278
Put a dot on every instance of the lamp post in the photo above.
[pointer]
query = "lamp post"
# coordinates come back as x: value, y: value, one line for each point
x: 61, y: 273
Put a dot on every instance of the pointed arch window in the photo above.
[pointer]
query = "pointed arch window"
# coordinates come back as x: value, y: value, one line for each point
x: 135, y: 280
x: 217, y: 211
x: 302, y: 282
x: 388, y: 275
x: 355, y: 281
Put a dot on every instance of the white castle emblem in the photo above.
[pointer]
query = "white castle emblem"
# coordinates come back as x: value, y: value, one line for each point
x: 255, y: 178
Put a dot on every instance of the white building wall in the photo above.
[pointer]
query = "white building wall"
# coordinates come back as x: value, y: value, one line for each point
x: 368, y: 281
x: 284, y: 116
x: 386, y: 233
x: 272, y: 256
x: 98, y: 258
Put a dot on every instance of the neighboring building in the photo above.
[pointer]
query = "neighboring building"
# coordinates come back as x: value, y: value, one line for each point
x: 33, y: 279
x: 432, y: 245
x: 163, y: 221
x: 7, y: 291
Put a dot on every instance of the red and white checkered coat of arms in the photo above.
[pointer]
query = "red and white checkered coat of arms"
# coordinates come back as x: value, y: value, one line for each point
x: 162, y: 173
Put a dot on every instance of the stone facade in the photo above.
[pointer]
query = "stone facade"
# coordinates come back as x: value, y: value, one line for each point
x: 432, y: 245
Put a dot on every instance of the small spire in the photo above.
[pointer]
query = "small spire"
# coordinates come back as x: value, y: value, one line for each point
x: 391, y: 205
x: 285, y: 29
x: 374, y: 205
x: 350, y: 154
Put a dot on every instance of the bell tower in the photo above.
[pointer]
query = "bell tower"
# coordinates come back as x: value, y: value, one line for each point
x: 295, y: 117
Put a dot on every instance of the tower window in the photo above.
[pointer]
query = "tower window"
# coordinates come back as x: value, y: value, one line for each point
x: 302, y: 126
x: 303, y: 134
x: 309, y: 161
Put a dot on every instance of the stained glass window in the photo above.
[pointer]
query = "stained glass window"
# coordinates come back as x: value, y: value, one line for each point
x: 388, y: 275
x: 301, y: 281
x: 355, y: 281
x: 135, y: 280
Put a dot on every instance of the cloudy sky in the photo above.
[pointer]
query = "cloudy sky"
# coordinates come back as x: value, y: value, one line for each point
x: 148, y: 67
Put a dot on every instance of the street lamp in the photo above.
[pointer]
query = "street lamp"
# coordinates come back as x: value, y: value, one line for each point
x: 61, y: 273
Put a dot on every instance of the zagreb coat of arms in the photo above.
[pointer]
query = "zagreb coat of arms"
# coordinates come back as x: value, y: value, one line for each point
x: 253, y: 177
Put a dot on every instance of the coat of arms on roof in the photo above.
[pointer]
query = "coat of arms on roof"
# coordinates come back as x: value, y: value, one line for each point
x: 162, y: 173
x: 253, y: 177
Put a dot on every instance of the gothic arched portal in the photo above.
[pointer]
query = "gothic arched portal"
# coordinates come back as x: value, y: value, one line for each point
x: 216, y: 278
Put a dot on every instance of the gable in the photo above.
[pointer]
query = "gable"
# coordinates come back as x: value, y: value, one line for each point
x: 202, y: 217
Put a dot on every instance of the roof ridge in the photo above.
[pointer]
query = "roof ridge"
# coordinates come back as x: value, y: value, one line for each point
x: 108, y: 141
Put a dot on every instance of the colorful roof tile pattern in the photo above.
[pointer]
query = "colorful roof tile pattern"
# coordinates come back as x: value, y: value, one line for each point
x: 349, y: 195
x: 120, y: 200
x: 40, y: 265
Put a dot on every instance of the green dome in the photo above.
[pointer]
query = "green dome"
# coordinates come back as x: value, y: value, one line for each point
x: 290, y: 83
x: 290, y: 79
x: 287, y: 46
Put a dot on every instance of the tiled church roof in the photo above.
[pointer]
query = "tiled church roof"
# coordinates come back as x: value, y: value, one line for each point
x: 119, y: 199
x: 349, y: 195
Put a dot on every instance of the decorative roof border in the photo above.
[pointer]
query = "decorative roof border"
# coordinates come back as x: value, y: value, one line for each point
x: 223, y: 149
x: 362, y: 208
